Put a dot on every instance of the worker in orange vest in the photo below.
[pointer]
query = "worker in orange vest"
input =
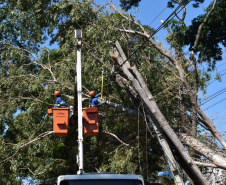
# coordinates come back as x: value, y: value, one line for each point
x: 59, y: 103
x: 94, y: 101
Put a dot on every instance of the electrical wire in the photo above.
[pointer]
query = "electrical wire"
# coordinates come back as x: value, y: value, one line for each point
x: 217, y: 79
x: 221, y: 64
x: 157, y: 16
x: 213, y: 96
x: 219, y: 74
x: 215, y: 104
x: 184, y: 3
x: 171, y: 16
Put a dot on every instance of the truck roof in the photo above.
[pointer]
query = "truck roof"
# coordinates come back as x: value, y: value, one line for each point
x: 99, y: 176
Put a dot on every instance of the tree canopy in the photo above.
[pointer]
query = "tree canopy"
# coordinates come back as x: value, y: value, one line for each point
x: 169, y: 79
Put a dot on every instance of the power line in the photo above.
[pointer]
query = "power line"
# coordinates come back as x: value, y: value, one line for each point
x: 157, y: 16
x: 219, y: 72
x: 220, y: 76
x: 221, y: 64
x: 217, y: 93
x: 205, y: 100
x: 184, y: 3
x: 170, y: 17
x: 215, y: 104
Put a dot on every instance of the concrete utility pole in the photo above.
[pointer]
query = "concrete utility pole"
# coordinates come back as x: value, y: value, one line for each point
x: 178, y: 180
x: 78, y: 36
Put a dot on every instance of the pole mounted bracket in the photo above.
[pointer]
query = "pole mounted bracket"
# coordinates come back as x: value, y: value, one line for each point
x: 78, y: 36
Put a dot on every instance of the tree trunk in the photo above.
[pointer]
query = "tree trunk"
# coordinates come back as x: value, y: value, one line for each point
x: 169, y: 155
x: 140, y: 86
x: 204, y: 150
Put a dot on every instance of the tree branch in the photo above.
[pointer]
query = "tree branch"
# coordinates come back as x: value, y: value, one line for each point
x: 29, y: 98
x: 117, y: 138
x: 206, y: 164
x: 127, y: 138
x: 153, y: 111
x: 201, y: 26
x: 41, y: 136
x: 184, y: 11
x: 204, y: 150
x: 130, y: 18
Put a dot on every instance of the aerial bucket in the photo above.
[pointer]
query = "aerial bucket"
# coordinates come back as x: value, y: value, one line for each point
x: 90, y: 121
x: 60, y: 120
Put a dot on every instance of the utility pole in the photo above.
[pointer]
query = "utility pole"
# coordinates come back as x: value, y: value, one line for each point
x: 78, y: 37
x: 178, y: 180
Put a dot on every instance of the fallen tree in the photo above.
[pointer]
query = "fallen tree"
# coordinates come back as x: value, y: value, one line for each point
x: 152, y: 109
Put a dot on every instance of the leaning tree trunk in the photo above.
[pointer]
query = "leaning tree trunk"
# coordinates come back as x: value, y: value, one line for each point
x: 169, y: 151
x: 140, y: 86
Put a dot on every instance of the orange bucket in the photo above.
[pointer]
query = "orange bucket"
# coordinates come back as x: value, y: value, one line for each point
x: 90, y: 121
x: 60, y: 121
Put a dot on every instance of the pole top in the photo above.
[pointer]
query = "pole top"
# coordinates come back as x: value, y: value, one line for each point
x: 78, y: 34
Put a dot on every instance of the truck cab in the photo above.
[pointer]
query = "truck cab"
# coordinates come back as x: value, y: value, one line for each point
x: 100, y: 179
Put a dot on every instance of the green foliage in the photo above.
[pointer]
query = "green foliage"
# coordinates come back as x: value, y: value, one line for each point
x: 28, y: 82
x: 195, y: 4
x: 121, y: 163
x: 128, y: 4
x: 29, y: 75
x: 212, y: 37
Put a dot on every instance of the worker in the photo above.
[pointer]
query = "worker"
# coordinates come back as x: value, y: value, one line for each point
x: 59, y: 102
x: 94, y: 101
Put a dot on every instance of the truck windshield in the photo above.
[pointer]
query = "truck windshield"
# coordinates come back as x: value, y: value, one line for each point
x: 102, y: 182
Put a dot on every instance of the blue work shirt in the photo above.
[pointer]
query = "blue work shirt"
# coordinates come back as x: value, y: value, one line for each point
x: 94, y: 101
x: 59, y: 103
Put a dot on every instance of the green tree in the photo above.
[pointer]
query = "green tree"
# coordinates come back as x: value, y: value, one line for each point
x: 28, y: 83
x: 29, y: 76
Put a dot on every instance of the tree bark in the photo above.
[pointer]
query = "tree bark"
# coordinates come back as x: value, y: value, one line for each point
x: 206, y: 164
x: 140, y: 86
x: 167, y: 150
x: 204, y: 150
